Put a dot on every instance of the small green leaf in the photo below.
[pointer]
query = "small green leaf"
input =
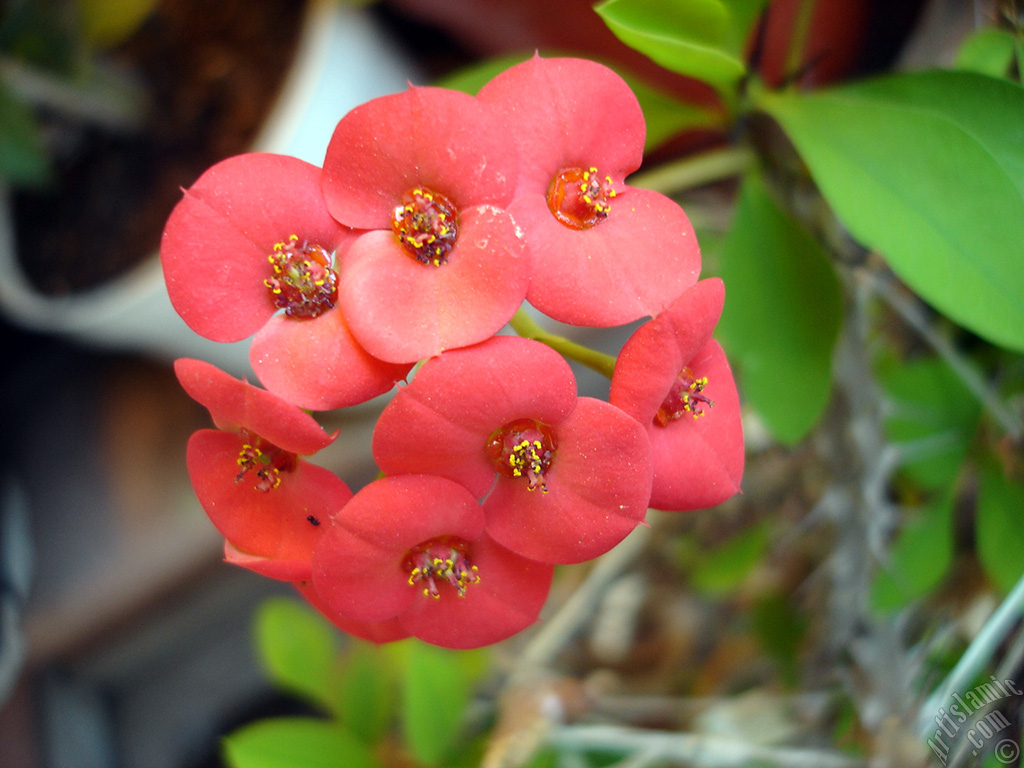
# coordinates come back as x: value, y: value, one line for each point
x: 782, y: 314
x: 366, y: 692
x: 1000, y: 527
x: 297, y: 648
x: 721, y: 570
x: 691, y: 37
x: 436, y: 694
x: 295, y: 742
x: 932, y: 419
x: 780, y: 630
x: 927, y: 169
x: 987, y: 52
x: 23, y: 160
x: 919, y: 558
x: 667, y: 117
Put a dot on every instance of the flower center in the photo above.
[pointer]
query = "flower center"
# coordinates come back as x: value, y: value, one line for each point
x: 426, y: 225
x: 524, y: 448
x: 266, y: 459
x: 685, y: 396
x: 579, y: 198
x: 439, y: 561
x: 303, y: 283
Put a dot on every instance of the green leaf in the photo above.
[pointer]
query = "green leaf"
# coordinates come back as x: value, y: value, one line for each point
x: 927, y: 169
x: 782, y: 313
x: 297, y: 648
x: 295, y: 742
x: 366, y: 692
x: 932, y: 420
x: 436, y: 694
x: 691, y: 37
x: 919, y: 558
x: 780, y: 630
x: 721, y: 570
x: 23, y: 161
x: 1000, y: 527
x: 107, y: 23
x: 474, y: 77
x: 987, y: 52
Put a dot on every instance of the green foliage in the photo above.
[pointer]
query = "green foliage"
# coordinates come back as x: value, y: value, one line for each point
x: 782, y: 314
x: 366, y: 692
x: 722, y: 570
x: 933, y: 418
x: 780, y: 629
x: 107, y: 23
x: 987, y: 52
x: 1000, y: 526
x: 927, y: 169
x: 295, y: 742
x: 297, y: 648
x: 437, y: 685
x: 23, y: 160
x: 704, y: 39
x: 919, y: 558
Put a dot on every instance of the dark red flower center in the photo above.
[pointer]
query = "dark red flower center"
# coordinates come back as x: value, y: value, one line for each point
x: 426, y: 224
x: 303, y: 283
x: 439, y: 561
x: 524, y: 448
x: 265, y: 459
x: 580, y: 198
x: 685, y: 396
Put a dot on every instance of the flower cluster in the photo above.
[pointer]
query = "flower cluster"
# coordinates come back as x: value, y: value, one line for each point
x: 436, y: 215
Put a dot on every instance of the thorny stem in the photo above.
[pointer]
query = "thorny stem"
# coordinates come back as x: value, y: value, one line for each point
x: 695, y: 171
x: 528, y: 328
x: 694, y: 750
x: 913, y: 313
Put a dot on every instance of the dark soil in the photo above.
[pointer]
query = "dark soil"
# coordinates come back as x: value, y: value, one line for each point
x: 213, y: 70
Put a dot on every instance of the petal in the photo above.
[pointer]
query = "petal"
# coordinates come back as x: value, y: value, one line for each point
x: 507, y: 598
x: 567, y: 113
x: 284, y: 523
x: 375, y: 631
x: 359, y: 567
x: 598, y: 488
x: 424, y: 137
x: 216, y: 242
x: 402, y: 311
x: 318, y: 364
x: 237, y: 404
x: 632, y: 264
x: 441, y: 422
x: 699, y: 462
x: 654, y: 355
x: 282, y: 570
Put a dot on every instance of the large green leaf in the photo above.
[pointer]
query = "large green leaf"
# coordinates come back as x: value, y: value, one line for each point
x: 782, y: 313
x: 295, y: 742
x: 932, y: 419
x: 1000, y: 527
x: 698, y: 38
x: 919, y: 558
x: 927, y: 169
x: 297, y: 648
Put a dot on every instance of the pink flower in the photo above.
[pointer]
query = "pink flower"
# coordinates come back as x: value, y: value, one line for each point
x: 603, y: 253
x: 673, y: 378
x: 249, y: 250
x: 269, y: 503
x: 565, y: 478
x: 413, y: 549
x: 430, y: 171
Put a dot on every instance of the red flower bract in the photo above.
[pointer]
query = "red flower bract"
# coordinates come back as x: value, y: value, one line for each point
x: 431, y: 172
x: 673, y: 378
x: 603, y: 253
x: 568, y: 477
x: 269, y: 503
x: 413, y: 548
x: 249, y: 249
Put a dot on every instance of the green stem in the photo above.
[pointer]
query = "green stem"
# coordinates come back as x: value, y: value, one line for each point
x: 695, y: 171
x: 528, y: 328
